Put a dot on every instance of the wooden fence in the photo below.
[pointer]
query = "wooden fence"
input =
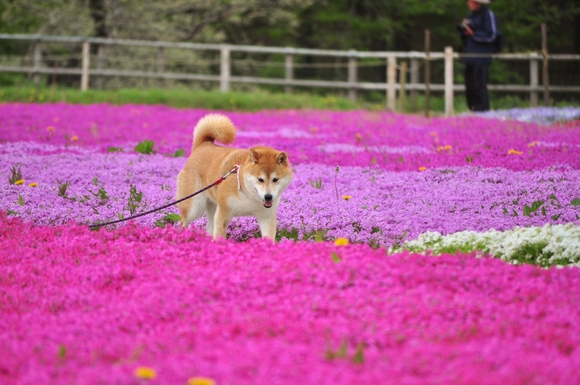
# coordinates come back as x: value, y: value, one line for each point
x: 351, y: 84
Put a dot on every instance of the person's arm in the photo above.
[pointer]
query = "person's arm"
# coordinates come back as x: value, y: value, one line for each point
x: 489, y: 31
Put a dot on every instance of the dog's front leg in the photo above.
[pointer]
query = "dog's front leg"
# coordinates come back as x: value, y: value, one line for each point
x: 268, y: 227
x: 222, y: 219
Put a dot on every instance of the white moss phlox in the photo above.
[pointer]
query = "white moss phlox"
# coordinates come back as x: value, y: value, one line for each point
x: 561, y: 243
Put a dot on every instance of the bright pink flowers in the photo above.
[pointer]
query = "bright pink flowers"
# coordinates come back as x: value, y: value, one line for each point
x: 81, y: 306
x: 146, y: 304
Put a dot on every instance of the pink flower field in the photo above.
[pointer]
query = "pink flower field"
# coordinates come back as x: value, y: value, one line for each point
x: 145, y: 302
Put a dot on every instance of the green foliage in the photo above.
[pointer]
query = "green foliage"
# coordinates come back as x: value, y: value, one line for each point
x: 398, y: 240
x: 359, y: 357
x: 339, y: 24
x: 135, y: 198
x: 340, y: 353
x: 335, y: 257
x: 15, y: 174
x: 179, y: 153
x: 102, y: 195
x: 316, y: 183
x: 294, y: 234
x: 62, y: 352
x: 169, y: 218
x: 533, y: 253
x: 575, y: 202
x: 320, y: 235
x: 115, y: 149
x: 145, y: 147
x: 20, y: 200
x: 533, y: 208
x: 62, y: 187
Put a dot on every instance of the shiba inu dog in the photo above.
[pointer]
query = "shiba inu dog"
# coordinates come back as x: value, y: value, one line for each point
x: 263, y: 175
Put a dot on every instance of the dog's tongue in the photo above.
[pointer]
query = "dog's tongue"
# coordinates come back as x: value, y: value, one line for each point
x: 268, y: 203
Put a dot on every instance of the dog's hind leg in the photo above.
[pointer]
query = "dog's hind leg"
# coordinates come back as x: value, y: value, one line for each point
x: 196, y: 210
x: 192, y: 208
x: 210, y: 209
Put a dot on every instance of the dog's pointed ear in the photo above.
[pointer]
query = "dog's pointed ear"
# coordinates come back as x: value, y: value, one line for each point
x: 282, y: 159
x: 254, y: 155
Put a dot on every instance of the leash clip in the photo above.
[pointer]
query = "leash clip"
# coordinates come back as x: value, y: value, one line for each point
x: 232, y: 171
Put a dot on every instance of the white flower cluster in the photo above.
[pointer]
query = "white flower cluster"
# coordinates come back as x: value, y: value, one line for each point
x: 545, y: 246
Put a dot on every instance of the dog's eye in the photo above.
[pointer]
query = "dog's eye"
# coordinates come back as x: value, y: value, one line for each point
x: 275, y: 180
x: 261, y: 180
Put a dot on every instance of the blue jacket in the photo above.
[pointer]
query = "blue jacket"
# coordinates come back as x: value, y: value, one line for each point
x: 484, y: 26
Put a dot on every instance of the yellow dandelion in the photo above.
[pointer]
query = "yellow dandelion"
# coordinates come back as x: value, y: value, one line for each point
x: 346, y: 197
x: 422, y: 168
x: 341, y: 242
x: 20, y: 181
x: 145, y: 373
x: 74, y: 138
x: 358, y: 137
x: 514, y: 152
x: 200, y: 381
x: 533, y: 144
x: 50, y: 129
x: 447, y: 147
x: 33, y: 184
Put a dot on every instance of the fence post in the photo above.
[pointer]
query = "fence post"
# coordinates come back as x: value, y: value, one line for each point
x: 414, y: 81
x: 534, y: 79
x: 403, y: 89
x: 352, y: 75
x: 289, y: 69
x: 427, y: 71
x: 391, y: 83
x: 37, y: 61
x: 448, y: 81
x: 100, y: 65
x: 225, y: 68
x: 160, y: 66
x: 545, y: 67
x: 85, y: 66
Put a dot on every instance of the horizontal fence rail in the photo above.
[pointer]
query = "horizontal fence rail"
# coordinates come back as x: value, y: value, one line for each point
x: 389, y: 58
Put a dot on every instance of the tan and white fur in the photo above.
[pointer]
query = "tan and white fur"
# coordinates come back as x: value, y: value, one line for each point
x: 263, y: 175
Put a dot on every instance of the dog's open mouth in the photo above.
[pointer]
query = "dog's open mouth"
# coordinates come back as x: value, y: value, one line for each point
x: 268, y: 204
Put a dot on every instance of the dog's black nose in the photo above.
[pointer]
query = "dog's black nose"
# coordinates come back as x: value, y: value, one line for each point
x: 268, y: 197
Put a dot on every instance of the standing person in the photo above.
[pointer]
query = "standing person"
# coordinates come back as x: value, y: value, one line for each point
x: 479, y: 31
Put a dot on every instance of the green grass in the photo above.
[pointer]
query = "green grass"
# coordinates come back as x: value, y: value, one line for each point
x: 180, y: 98
x: 245, y: 101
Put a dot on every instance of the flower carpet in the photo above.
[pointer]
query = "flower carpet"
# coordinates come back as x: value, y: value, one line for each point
x: 410, y: 251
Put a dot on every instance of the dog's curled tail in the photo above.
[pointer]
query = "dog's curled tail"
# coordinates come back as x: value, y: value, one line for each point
x: 214, y: 127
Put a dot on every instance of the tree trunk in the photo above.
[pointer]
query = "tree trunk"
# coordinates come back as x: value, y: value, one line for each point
x: 99, y: 14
